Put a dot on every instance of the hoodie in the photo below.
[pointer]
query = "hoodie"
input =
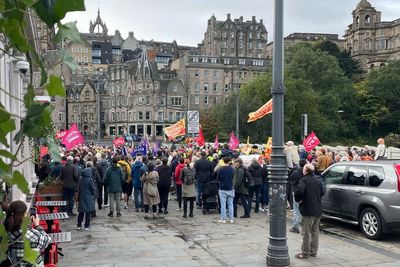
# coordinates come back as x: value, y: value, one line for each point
x: 138, y: 168
x: 256, y: 173
x: 177, y: 175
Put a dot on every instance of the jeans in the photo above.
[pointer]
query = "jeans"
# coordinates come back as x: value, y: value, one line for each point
x: 179, y: 195
x: 226, y: 196
x: 256, y: 189
x: 296, y: 214
x: 244, y: 199
x: 115, y: 197
x: 138, y: 197
x: 164, y: 192
x: 68, y: 195
x: 265, y: 194
x: 87, y: 219
x: 200, y: 189
x: 310, y: 231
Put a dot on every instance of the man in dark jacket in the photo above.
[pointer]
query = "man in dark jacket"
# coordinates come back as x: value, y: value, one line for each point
x: 164, y: 183
x: 69, y: 177
x: 104, y: 164
x: 114, y: 181
x: 137, y: 170
x: 256, y: 181
x: 241, y: 191
x: 204, y: 171
x: 309, y: 195
x: 86, y: 197
x: 294, y: 181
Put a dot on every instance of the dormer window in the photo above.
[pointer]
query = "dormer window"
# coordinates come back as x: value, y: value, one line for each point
x: 367, y: 19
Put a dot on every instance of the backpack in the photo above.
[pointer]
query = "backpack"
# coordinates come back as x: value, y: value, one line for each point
x: 127, y: 177
x: 188, y: 179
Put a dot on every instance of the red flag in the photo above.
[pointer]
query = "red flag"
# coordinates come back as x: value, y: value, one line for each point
x: 119, y: 141
x: 216, y: 143
x: 200, y: 139
x: 233, y: 141
x: 311, y: 141
x: 73, y: 138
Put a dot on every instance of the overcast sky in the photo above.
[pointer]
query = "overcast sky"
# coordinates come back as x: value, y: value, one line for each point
x: 186, y: 20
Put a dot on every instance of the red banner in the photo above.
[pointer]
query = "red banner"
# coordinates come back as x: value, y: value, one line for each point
x: 311, y: 141
x: 119, y: 141
x: 200, y: 139
x: 261, y: 112
x: 73, y: 138
x: 61, y: 134
x: 175, y: 130
x: 233, y: 141
x: 216, y: 143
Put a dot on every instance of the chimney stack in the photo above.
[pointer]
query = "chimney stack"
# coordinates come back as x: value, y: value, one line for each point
x: 254, y: 18
x: 261, y: 21
x: 228, y: 16
x: 130, y: 35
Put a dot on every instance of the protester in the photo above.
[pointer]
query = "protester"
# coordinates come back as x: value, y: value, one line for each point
x: 204, y: 171
x: 138, y: 169
x: 226, y: 192
x: 164, y: 184
x: 294, y: 180
x: 99, y: 182
x: 127, y: 186
x: 309, y: 194
x: 241, y: 189
x: 381, y: 151
x: 187, y: 177
x: 36, y: 236
x: 104, y: 164
x: 256, y: 181
x: 151, y: 196
x: 86, y: 197
x: 178, y: 182
x: 69, y: 177
x: 114, y: 180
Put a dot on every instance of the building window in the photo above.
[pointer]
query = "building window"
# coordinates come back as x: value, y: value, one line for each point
x: 204, y: 60
x: 196, y: 87
x: 205, y: 73
x: 176, y: 101
x: 226, y: 88
x: 162, y: 100
x: 96, y: 61
x: 214, y: 61
x: 96, y: 53
x: 232, y: 34
x: 215, y: 88
x: 196, y: 100
x: 147, y: 100
x: 258, y: 63
x: 160, y: 116
x: 86, y: 50
x: 215, y: 99
x: 140, y: 115
x: 206, y: 87
x: 250, y: 35
x: 241, y: 45
x: 73, y: 49
x: 226, y: 61
x: 60, y: 116
x: 240, y: 35
x: 123, y: 116
x: 196, y: 73
x: 250, y: 45
x: 259, y: 45
x: 242, y: 61
x: 113, y: 116
x: 171, y: 116
x: 195, y: 59
x: 178, y: 116
x: 206, y: 100
x: 148, y: 115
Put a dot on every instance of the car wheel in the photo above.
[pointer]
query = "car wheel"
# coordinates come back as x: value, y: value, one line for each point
x: 371, y: 223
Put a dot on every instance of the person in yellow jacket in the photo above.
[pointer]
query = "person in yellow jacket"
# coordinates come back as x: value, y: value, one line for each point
x: 127, y: 187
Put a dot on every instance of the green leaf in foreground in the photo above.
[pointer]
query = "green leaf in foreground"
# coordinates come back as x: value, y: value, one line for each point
x: 55, y: 86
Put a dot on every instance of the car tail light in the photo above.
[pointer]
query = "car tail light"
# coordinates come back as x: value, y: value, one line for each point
x: 397, y: 169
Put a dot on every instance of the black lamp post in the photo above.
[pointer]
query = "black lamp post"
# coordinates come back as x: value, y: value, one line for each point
x: 277, y: 254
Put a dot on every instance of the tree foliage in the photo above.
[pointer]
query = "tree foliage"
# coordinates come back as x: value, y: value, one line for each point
x: 36, y: 123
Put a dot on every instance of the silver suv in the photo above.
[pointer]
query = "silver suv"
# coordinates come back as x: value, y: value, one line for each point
x: 366, y: 193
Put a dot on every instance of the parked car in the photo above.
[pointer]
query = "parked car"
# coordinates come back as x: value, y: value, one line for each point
x: 365, y: 193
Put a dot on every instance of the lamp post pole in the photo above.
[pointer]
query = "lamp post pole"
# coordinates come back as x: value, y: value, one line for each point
x: 277, y: 252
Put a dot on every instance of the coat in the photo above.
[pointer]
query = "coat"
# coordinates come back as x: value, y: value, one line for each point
x: 69, y: 175
x: 114, y: 179
x: 164, y: 174
x: 177, y: 175
x: 188, y: 190
x: 204, y: 170
x: 256, y: 174
x: 86, y: 192
x: 309, y: 194
x: 138, y: 168
x: 151, y: 177
x: 239, y: 181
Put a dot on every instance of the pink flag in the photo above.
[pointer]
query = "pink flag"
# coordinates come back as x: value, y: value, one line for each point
x: 119, y: 141
x: 233, y: 141
x: 216, y: 143
x: 73, y: 138
x: 61, y: 134
x: 311, y: 141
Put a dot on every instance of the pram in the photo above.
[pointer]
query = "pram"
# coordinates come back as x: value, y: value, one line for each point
x: 210, y: 197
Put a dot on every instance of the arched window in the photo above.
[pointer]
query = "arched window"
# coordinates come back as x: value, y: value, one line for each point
x: 357, y: 20
x: 372, y: 66
x: 383, y: 64
x: 367, y: 19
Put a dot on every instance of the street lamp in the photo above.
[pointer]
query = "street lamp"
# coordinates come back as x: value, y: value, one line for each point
x: 277, y: 252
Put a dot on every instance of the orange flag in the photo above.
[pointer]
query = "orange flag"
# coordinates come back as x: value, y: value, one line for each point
x: 175, y: 130
x: 261, y: 112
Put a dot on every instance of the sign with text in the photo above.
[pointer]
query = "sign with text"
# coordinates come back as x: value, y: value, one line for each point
x: 193, y: 120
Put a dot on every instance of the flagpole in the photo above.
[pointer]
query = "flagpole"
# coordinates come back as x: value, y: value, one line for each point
x: 277, y: 252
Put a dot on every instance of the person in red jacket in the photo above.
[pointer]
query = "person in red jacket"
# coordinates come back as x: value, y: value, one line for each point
x: 178, y: 182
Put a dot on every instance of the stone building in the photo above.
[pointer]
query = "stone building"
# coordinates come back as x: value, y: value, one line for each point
x: 235, y: 38
x: 82, y: 108
x: 372, y: 42
x: 210, y: 80
x: 296, y: 38
x: 140, y: 99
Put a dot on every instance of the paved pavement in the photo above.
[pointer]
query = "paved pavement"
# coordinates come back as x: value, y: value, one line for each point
x: 201, y: 241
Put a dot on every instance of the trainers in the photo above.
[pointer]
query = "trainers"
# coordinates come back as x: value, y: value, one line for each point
x: 294, y: 230
x: 222, y: 221
x: 245, y: 216
x: 125, y: 207
x: 178, y: 209
x: 87, y: 228
x: 106, y: 205
x: 118, y: 214
x: 230, y: 221
x: 262, y: 209
x: 165, y: 212
x: 110, y: 214
x: 79, y: 228
x: 191, y: 215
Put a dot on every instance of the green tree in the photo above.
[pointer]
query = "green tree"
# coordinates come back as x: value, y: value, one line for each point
x: 37, y: 121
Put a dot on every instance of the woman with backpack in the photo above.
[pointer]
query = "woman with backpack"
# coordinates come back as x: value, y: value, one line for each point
x: 151, y: 196
x: 187, y: 177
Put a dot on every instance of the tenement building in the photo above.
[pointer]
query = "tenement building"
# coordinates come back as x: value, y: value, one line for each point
x: 372, y: 42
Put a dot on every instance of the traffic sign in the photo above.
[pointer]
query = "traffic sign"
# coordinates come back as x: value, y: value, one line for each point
x: 193, y: 121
